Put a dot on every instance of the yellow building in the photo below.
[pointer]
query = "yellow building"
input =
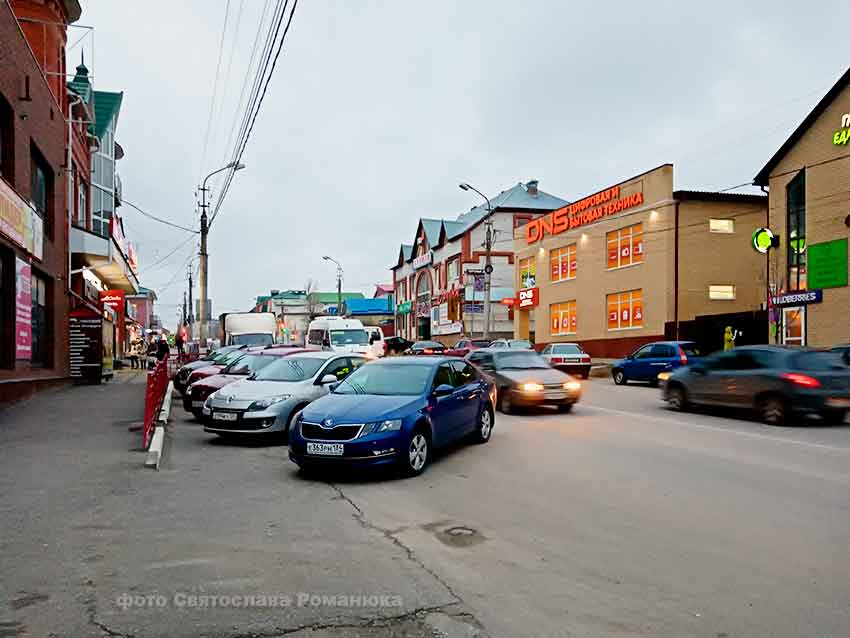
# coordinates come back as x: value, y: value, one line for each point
x: 639, y: 262
x: 809, y: 180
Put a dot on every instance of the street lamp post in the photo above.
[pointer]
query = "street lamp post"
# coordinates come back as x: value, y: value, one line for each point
x: 488, y: 266
x: 338, y: 284
x: 203, y: 268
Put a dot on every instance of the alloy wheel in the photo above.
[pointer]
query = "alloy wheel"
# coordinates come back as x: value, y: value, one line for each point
x: 620, y: 377
x: 676, y: 399
x: 485, y: 426
x: 418, y: 452
x: 773, y: 411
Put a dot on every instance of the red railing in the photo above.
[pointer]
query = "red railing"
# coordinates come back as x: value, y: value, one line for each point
x: 157, y: 383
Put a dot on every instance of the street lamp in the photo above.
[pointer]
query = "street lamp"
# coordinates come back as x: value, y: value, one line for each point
x: 338, y: 283
x: 202, y: 314
x: 488, y: 266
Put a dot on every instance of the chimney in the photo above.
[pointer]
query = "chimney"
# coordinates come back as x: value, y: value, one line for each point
x: 531, y: 187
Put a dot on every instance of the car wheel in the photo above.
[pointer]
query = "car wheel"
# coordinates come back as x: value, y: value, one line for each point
x: 774, y: 411
x: 834, y: 417
x: 418, y: 453
x: 620, y: 377
x: 677, y: 399
x: 565, y: 407
x: 505, y: 403
x: 485, y: 426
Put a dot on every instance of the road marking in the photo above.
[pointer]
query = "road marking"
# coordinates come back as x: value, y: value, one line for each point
x: 180, y: 563
x: 702, y: 426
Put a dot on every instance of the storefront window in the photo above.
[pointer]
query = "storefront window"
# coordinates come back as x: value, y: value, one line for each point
x: 39, y: 320
x: 563, y: 263
x: 564, y: 318
x: 454, y: 269
x: 796, y: 204
x: 527, y: 274
x: 625, y: 246
x: 625, y: 309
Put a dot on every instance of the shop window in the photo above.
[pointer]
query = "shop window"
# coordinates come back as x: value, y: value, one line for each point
x: 726, y: 226
x: 796, y: 248
x: 7, y: 164
x: 454, y: 269
x: 41, y: 189
x: 625, y: 310
x: 563, y: 263
x: 527, y: 273
x: 564, y: 318
x: 625, y: 246
x: 82, y: 204
x: 39, y: 320
x: 723, y: 293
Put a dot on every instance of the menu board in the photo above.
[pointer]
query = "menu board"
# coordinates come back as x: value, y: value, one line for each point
x: 85, y: 328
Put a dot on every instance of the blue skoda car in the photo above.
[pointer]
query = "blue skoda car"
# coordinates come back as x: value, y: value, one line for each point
x: 394, y: 411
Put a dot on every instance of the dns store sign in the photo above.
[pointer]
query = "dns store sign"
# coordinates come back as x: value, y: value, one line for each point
x: 528, y: 298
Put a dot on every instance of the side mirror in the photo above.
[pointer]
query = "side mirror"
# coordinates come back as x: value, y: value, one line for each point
x: 328, y: 379
x: 443, y: 390
x: 326, y: 343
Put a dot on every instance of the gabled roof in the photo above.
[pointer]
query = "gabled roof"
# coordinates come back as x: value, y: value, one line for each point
x: 516, y: 197
x: 81, y: 85
x: 432, y: 229
x: 451, y: 230
x: 330, y: 297
x: 404, y: 254
x: 106, y: 105
x: 762, y: 178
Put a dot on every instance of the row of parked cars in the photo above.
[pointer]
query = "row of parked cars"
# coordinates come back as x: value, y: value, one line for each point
x: 336, y: 407
x: 781, y: 385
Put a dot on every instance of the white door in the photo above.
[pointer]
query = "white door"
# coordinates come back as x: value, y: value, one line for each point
x: 794, y: 326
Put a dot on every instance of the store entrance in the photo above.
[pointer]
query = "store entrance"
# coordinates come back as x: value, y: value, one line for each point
x: 794, y: 326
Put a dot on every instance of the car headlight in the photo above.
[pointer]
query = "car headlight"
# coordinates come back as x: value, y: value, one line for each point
x: 663, y: 376
x: 208, y: 402
x: 531, y: 387
x: 572, y: 385
x: 262, y: 404
x: 390, y: 425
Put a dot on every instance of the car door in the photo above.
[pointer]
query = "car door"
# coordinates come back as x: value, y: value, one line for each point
x: 662, y: 356
x: 637, y: 367
x: 340, y: 367
x: 470, y: 390
x: 445, y: 410
x: 721, y: 372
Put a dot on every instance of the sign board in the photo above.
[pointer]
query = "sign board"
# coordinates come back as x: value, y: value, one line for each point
x: 424, y: 259
x: 801, y: 298
x: 842, y: 135
x: 115, y: 301
x: 23, y: 310
x: 827, y: 264
x: 453, y: 327
x: 20, y: 223
x: 85, y: 332
x: 473, y: 307
x: 404, y: 307
x: 528, y: 298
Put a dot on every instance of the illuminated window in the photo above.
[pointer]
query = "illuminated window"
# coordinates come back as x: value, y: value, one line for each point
x: 721, y: 226
x: 564, y: 318
x: 721, y: 292
x: 527, y: 275
x: 563, y: 263
x: 625, y: 246
x: 625, y: 309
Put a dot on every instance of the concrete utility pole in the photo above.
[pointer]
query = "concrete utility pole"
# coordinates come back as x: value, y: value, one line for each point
x: 488, y: 265
x: 338, y: 284
x: 204, y: 271
x: 183, y: 316
x: 191, y: 306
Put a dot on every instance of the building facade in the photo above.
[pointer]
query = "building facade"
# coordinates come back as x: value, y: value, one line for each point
x: 639, y: 262
x: 439, y: 278
x: 33, y: 220
x: 809, y: 194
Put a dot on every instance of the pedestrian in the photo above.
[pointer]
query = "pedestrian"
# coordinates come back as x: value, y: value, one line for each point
x: 162, y: 349
x: 135, y: 353
x: 178, y: 342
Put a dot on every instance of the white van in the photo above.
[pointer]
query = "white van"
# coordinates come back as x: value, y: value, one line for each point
x: 376, y: 340
x: 339, y: 335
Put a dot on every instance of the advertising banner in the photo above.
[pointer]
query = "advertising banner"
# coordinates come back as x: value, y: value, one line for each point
x: 23, y: 310
x: 19, y: 222
x: 115, y: 301
x: 828, y: 264
x: 85, y: 331
x: 529, y: 298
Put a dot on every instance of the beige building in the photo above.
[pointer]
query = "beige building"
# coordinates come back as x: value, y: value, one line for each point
x: 640, y: 262
x: 809, y: 181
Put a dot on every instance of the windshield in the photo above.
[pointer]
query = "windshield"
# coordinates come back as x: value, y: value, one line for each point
x: 568, y: 349
x: 479, y: 343
x: 818, y: 361
x: 690, y: 349
x: 387, y: 379
x: 290, y: 369
x: 520, y: 360
x: 427, y: 344
x: 519, y: 343
x: 252, y: 339
x: 230, y: 357
x: 349, y: 337
x: 248, y: 364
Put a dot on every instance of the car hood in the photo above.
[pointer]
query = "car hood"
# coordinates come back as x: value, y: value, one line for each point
x: 194, y: 365
x: 353, y: 349
x: 249, y: 389
x: 208, y: 371
x: 536, y: 375
x: 359, y: 408
x: 219, y: 380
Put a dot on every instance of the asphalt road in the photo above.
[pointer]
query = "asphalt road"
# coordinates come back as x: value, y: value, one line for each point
x: 620, y: 519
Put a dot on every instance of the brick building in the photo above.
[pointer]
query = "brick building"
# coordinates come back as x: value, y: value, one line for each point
x: 33, y: 215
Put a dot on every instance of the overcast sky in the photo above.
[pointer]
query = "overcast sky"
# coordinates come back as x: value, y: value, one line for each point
x: 378, y: 109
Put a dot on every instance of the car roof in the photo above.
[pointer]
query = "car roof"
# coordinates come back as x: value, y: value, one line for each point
x: 323, y: 354
x: 280, y: 351
x: 414, y: 361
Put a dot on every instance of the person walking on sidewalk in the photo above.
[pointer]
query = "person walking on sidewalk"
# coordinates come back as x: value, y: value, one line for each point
x: 162, y: 349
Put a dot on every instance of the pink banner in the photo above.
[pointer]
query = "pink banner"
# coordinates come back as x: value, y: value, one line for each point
x: 23, y: 310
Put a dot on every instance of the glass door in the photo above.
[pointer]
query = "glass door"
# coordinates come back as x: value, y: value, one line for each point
x: 794, y: 326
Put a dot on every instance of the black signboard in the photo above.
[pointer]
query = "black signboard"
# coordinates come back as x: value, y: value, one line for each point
x: 801, y: 298
x: 85, y: 333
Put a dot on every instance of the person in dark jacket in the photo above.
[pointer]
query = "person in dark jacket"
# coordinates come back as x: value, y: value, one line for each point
x: 162, y: 349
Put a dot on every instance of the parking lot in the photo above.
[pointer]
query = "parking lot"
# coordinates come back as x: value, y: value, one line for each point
x: 621, y: 518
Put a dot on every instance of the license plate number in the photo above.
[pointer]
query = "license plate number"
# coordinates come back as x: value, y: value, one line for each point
x: 197, y: 404
x: 838, y: 402
x: 555, y: 395
x: 327, y: 449
x: 224, y: 416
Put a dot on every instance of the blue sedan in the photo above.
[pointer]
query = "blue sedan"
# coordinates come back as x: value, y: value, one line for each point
x: 394, y: 412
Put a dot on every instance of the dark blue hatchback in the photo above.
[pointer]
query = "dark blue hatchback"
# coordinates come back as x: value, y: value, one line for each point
x: 394, y: 411
x: 647, y: 362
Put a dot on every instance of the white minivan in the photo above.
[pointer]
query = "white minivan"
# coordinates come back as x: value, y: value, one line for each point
x: 339, y: 335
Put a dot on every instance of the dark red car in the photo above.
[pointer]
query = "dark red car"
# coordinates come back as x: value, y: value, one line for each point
x: 465, y: 346
x: 253, y: 359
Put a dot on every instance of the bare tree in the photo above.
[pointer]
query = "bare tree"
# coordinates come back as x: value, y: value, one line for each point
x: 313, y: 306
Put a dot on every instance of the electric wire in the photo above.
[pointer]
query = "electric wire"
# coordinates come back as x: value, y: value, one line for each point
x: 215, y: 91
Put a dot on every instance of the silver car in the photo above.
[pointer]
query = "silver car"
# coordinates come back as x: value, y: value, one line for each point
x: 267, y: 401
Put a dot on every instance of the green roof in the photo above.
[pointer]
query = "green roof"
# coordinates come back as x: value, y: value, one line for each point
x: 81, y: 85
x: 331, y: 297
x: 107, y: 104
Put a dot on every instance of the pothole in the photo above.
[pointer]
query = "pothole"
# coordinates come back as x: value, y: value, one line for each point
x: 459, y: 536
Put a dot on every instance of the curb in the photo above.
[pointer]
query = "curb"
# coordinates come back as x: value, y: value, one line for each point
x: 158, y: 439
x: 601, y: 370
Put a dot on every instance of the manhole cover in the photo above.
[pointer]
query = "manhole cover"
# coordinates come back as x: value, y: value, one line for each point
x: 460, y: 531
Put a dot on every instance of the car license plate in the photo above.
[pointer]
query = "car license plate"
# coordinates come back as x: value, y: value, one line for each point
x: 327, y: 449
x: 224, y: 416
x: 555, y: 395
x: 197, y: 404
x: 838, y: 402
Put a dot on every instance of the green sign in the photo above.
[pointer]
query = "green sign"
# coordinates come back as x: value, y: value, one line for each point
x: 404, y: 307
x: 840, y: 138
x: 827, y: 264
x: 762, y: 239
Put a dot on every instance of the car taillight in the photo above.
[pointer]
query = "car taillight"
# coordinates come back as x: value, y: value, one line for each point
x: 557, y: 359
x: 585, y: 358
x: 683, y: 358
x: 427, y: 351
x: 803, y: 380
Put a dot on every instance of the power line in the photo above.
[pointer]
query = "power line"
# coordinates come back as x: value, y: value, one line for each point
x: 233, y: 45
x: 157, y: 263
x: 215, y: 91
x: 160, y: 220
